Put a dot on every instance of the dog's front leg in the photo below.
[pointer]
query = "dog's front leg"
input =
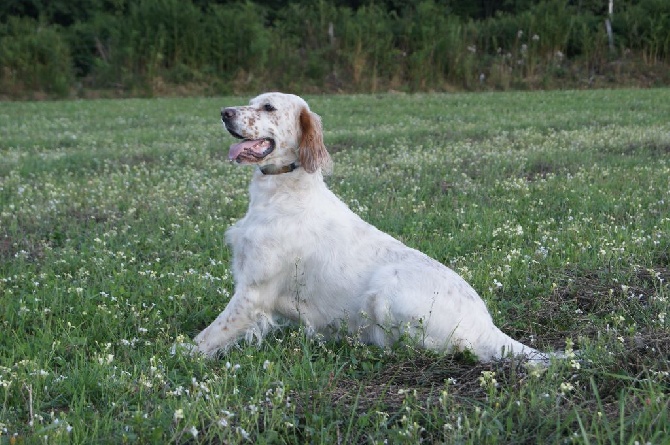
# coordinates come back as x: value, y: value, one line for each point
x: 241, y: 317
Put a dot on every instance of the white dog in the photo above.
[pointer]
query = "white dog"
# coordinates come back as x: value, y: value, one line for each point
x: 300, y: 254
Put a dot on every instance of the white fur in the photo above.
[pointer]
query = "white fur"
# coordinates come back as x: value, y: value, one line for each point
x: 301, y: 254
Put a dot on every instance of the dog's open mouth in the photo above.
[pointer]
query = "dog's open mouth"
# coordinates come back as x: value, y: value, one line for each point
x: 251, y: 150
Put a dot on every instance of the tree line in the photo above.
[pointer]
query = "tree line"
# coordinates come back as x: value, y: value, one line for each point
x: 147, y: 47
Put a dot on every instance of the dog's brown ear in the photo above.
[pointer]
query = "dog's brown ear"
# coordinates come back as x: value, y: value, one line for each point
x: 312, y: 152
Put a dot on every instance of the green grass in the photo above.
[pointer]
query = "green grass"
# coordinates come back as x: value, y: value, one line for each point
x: 555, y: 206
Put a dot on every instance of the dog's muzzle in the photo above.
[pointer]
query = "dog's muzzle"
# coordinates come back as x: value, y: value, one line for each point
x: 249, y: 150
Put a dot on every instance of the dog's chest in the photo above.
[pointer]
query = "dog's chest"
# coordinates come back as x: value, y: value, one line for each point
x: 265, y: 243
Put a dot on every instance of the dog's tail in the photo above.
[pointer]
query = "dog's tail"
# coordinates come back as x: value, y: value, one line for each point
x: 503, y: 346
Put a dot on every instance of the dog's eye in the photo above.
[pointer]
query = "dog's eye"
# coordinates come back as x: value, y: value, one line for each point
x: 268, y: 107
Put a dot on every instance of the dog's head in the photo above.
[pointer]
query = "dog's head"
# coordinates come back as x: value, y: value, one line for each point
x: 276, y: 130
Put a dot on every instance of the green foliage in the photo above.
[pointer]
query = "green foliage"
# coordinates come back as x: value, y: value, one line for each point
x: 33, y: 57
x: 152, y: 46
x: 237, y: 39
x: 644, y: 27
x: 368, y: 47
x: 437, y: 48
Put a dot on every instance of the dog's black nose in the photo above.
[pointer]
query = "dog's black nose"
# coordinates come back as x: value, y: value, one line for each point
x: 227, y: 114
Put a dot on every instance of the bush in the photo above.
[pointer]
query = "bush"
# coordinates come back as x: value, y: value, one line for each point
x: 645, y: 27
x: 367, y: 49
x: 235, y: 40
x: 34, y: 57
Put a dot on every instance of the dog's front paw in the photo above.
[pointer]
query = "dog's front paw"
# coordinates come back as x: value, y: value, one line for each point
x: 187, y: 347
x: 184, y: 348
x: 192, y: 348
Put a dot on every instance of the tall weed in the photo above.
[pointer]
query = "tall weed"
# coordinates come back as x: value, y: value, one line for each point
x: 236, y: 43
x: 645, y: 27
x: 367, y: 50
x: 438, y: 46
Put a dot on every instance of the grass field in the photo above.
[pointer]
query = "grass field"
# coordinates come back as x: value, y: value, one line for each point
x: 555, y: 206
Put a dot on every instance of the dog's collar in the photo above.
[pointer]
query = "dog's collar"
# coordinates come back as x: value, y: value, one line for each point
x: 274, y: 170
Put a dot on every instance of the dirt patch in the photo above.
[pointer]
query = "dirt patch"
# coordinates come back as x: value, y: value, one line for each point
x: 662, y: 258
x: 82, y: 216
x: 6, y: 248
x: 29, y: 242
x: 539, y: 170
x: 138, y: 159
x: 652, y: 147
x: 423, y: 377
x: 340, y: 146
x: 601, y: 292
x: 606, y: 294
x: 14, y: 247
x: 582, y: 295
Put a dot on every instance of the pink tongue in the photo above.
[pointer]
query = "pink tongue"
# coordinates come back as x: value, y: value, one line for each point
x: 238, y: 148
